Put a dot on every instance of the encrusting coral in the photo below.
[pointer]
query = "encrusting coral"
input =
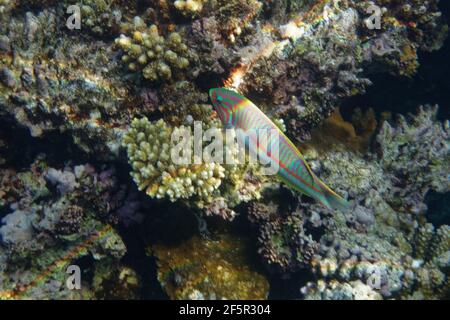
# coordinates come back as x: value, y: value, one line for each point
x: 209, y: 269
x: 55, y: 217
x: 103, y: 17
x: 45, y: 92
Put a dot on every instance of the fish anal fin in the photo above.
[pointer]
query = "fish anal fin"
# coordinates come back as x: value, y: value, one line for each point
x: 331, y: 199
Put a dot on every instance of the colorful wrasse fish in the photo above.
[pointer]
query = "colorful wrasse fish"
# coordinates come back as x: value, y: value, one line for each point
x: 236, y: 111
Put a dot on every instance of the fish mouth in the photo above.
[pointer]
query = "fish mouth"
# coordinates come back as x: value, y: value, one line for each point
x: 213, y: 94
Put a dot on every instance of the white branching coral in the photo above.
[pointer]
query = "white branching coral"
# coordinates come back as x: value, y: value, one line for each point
x: 157, y: 171
x: 149, y: 148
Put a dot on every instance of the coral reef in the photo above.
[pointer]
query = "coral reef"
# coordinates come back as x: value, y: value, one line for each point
x: 404, y: 144
x: 103, y: 17
x: 322, y: 62
x: 201, y: 269
x: 138, y: 72
x: 55, y: 218
x: 282, y: 240
x: 49, y: 68
x: 117, y: 282
x: 45, y: 87
x: 357, y: 135
x: 383, y: 247
x: 333, y: 290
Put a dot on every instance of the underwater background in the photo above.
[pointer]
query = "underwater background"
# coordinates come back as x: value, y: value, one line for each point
x: 92, y: 90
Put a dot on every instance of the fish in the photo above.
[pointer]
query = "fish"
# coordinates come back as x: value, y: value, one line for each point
x: 237, y: 112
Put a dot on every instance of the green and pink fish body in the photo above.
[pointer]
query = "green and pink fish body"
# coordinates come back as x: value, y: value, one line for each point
x: 236, y: 111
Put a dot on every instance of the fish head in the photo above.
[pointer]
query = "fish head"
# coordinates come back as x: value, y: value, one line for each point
x: 224, y: 102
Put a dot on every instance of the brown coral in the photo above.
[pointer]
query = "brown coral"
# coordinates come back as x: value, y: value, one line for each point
x: 205, y: 269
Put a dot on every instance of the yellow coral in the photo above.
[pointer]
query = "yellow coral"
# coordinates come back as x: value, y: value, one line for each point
x: 199, y: 181
x: 189, y: 7
x: 205, y: 269
x: 158, y: 58
x: 149, y: 148
x: 409, y: 61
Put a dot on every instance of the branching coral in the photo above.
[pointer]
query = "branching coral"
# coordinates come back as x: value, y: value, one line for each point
x: 151, y: 152
x: 429, y: 276
x: 158, y: 58
x: 284, y: 243
x: 149, y: 148
x: 378, y: 242
x: 282, y: 239
x: 383, y: 259
x: 413, y: 154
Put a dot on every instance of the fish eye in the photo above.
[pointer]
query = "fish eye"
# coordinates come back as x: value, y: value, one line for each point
x: 219, y: 98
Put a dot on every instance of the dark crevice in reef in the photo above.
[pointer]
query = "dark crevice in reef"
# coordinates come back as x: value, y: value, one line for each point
x: 86, y: 263
x: 438, y: 208
x: 282, y: 285
x: 22, y: 149
x: 144, y: 265
x: 282, y: 288
x: 164, y: 223
x: 208, y: 81
x: 431, y: 85
x: 4, y: 211
x: 135, y: 238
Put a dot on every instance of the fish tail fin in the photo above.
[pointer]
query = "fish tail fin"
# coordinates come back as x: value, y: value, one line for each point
x: 331, y: 199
